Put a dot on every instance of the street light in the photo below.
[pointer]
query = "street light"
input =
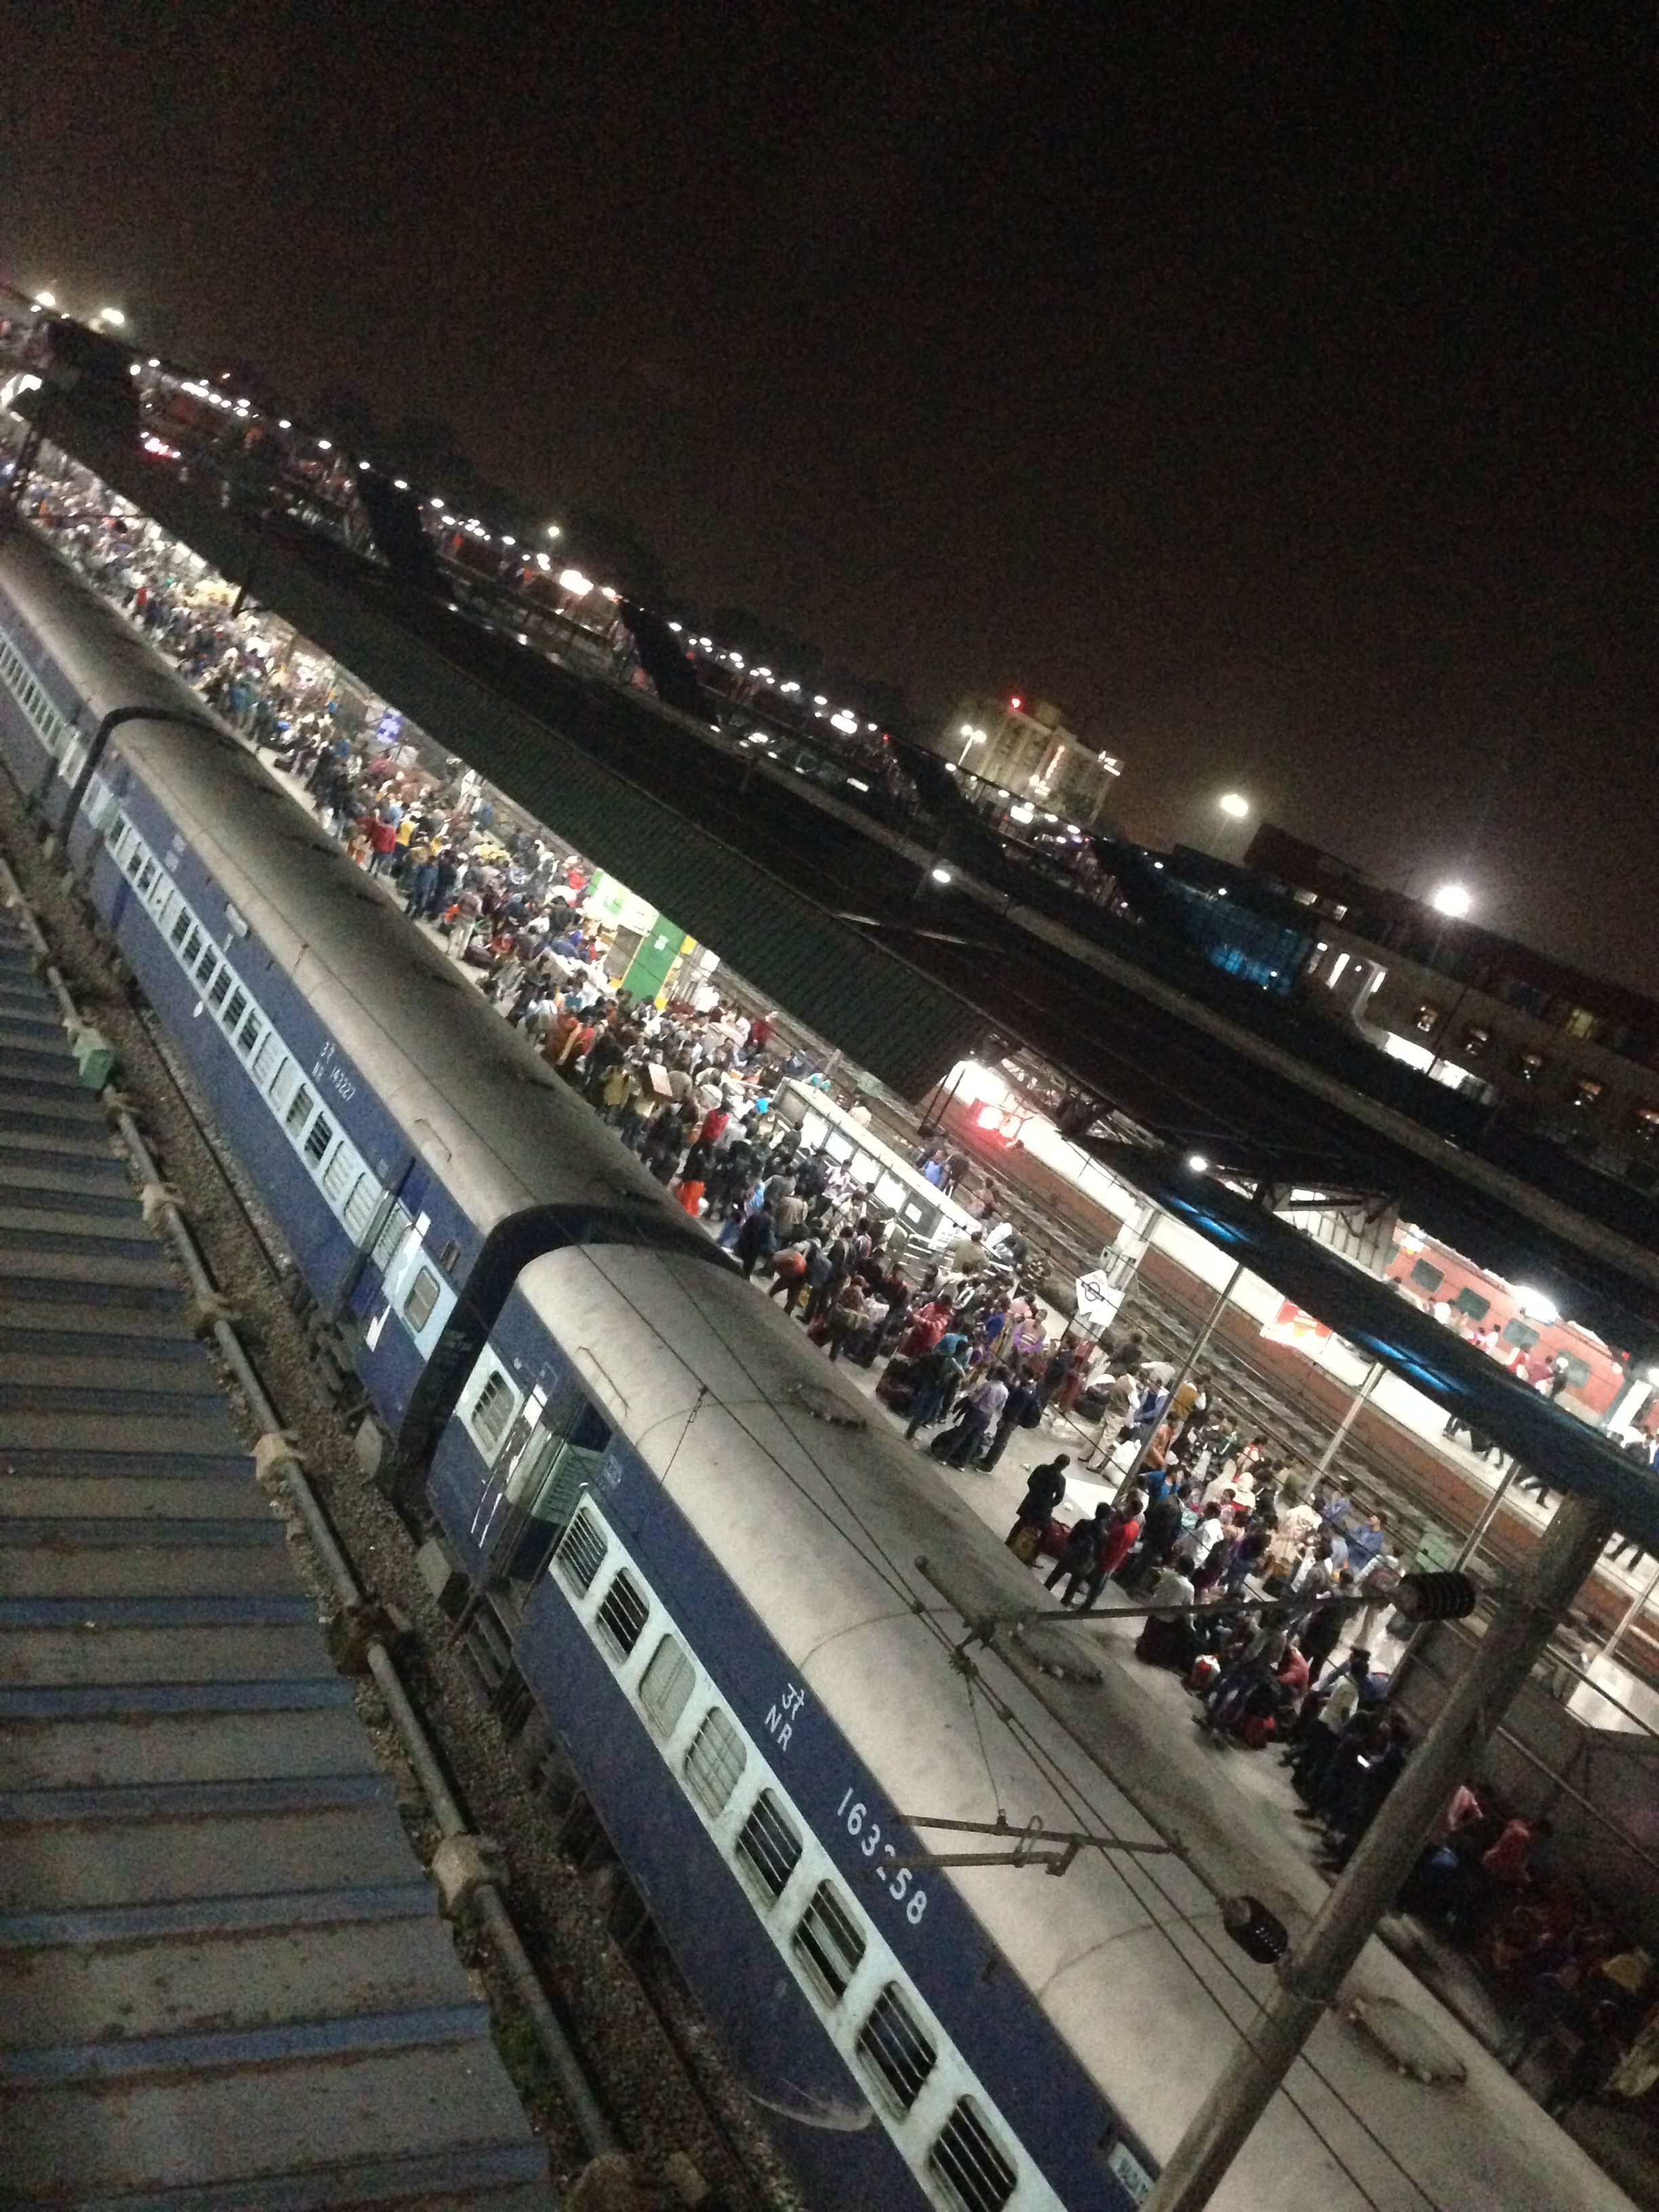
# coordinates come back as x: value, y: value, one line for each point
x: 1453, y: 899
x: 113, y: 316
x: 1234, y: 805
x: 970, y: 738
x: 573, y: 582
x: 554, y: 531
x: 47, y: 299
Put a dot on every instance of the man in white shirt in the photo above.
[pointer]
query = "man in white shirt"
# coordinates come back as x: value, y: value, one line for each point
x: 982, y: 1408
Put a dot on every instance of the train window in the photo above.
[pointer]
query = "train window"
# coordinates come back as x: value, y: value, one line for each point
x: 1521, y: 1332
x: 281, y: 1084
x: 134, y: 859
x: 218, y: 987
x: 829, y: 1942
x: 319, y: 1138
x: 207, y: 964
x: 449, y: 1258
x: 393, y: 1229
x: 970, y: 2163
x: 491, y: 1412
x: 1585, y: 1093
x: 714, y: 1764
x: 1472, y: 1302
x: 1529, y: 1066
x: 190, y: 948
x: 581, y: 1554
x: 337, y: 1175
x: 769, y: 1843
x: 1576, y: 1371
x: 1425, y: 1276
x: 894, y: 2045
x: 420, y: 1298
x: 252, y: 1029
x: 666, y: 1685
x: 624, y: 1611
x: 358, y: 1209
x: 235, y: 1008
x: 1646, y: 1119
x: 181, y: 925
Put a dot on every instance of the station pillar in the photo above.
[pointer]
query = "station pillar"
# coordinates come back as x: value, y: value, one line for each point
x: 1311, y: 1973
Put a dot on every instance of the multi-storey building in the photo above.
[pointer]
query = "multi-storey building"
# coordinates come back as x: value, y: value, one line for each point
x: 1024, y: 747
x: 1575, y: 1058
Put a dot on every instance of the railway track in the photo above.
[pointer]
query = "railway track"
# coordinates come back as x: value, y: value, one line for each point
x: 617, y: 2063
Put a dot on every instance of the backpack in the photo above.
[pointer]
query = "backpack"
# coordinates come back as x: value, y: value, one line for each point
x: 1031, y: 1410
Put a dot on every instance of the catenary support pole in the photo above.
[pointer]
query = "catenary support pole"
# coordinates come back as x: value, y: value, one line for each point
x: 1195, y: 1352
x: 1311, y: 1975
x: 1476, y: 1536
x: 1339, y: 1434
x: 1631, y: 1614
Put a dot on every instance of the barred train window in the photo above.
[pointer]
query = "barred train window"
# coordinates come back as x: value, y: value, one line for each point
x: 623, y: 1613
x: 358, y: 1209
x: 581, y: 1554
x: 422, y: 1298
x: 714, y: 1764
x: 492, y: 1413
x: 393, y: 1229
x: 970, y: 2163
x: 895, y: 2047
x: 769, y: 1843
x: 666, y: 1684
x: 337, y: 1174
x: 829, y: 1942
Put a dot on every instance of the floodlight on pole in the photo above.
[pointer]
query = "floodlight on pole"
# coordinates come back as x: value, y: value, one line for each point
x: 573, y: 582
x: 113, y: 316
x: 1453, y: 899
x: 46, y: 300
x: 1234, y: 805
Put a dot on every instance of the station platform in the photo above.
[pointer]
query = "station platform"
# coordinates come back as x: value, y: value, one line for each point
x: 224, y: 1979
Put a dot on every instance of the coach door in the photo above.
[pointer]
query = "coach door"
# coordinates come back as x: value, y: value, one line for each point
x: 545, y: 1468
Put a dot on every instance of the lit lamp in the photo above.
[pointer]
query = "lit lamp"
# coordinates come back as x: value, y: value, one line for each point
x: 113, y: 316
x: 970, y: 736
x: 1234, y: 805
x: 1453, y: 899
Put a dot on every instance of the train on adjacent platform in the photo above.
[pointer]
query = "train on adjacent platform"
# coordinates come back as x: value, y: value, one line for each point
x: 696, y: 1547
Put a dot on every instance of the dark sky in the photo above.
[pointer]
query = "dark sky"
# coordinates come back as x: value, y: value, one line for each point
x: 1266, y: 384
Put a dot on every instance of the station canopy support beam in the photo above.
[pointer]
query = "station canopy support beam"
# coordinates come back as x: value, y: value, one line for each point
x: 1311, y: 1974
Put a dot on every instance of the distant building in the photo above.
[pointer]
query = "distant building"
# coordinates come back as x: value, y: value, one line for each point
x: 1572, y: 1057
x: 1024, y: 747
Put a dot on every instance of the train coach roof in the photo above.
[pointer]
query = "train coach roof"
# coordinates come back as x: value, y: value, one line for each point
x: 818, y: 1525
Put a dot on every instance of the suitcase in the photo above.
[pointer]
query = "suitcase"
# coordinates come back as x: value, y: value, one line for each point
x: 1024, y: 1541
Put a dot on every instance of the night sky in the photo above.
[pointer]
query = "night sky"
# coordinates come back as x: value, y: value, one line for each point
x: 1266, y: 384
